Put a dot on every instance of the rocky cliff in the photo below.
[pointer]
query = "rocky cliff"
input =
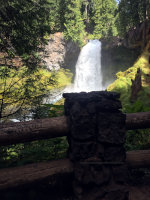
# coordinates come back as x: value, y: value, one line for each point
x: 115, y: 58
x: 60, y: 53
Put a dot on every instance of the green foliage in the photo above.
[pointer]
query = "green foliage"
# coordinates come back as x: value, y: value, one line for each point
x: 33, y: 152
x: 132, y: 13
x: 73, y: 22
x: 20, y: 89
x: 23, y: 25
x: 36, y: 151
x: 138, y: 139
x: 56, y: 15
x: 104, y: 18
x: 48, y: 110
x: 37, y: 84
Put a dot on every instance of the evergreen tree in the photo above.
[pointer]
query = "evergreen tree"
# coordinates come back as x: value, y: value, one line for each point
x: 104, y: 18
x: 86, y: 10
x: 57, y: 9
x: 132, y: 13
x: 23, y: 25
x: 74, y: 25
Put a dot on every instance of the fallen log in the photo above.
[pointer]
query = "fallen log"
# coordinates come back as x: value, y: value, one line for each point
x: 56, y: 127
x: 138, y: 158
x: 33, y: 130
x: 32, y: 173
x: 139, y: 120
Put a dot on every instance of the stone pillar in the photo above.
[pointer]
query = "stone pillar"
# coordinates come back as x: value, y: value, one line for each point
x: 97, y: 136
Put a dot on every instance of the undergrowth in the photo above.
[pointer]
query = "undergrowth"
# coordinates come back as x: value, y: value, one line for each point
x: 36, y: 151
x: 43, y: 150
x: 139, y: 139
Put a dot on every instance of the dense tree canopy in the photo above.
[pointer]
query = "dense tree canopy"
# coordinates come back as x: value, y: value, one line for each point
x: 89, y: 16
x: 131, y: 13
x: 23, y: 25
x: 104, y: 18
x: 74, y: 26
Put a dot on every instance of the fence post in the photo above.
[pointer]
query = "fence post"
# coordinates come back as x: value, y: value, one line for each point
x: 96, y: 139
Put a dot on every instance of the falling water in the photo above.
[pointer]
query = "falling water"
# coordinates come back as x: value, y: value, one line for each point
x: 88, y: 68
x: 88, y: 72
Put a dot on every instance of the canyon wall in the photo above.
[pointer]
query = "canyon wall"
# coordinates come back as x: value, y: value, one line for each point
x: 59, y: 53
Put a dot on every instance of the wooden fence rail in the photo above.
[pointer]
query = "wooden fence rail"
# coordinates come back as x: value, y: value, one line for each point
x: 139, y: 120
x: 28, y: 174
x: 21, y: 132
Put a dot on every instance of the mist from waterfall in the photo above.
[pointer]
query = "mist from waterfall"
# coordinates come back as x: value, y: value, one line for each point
x: 88, y: 68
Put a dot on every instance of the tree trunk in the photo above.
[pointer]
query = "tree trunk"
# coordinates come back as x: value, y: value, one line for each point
x: 136, y: 86
x: 145, y: 22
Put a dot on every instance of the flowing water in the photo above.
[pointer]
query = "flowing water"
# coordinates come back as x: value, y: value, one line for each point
x: 88, y: 75
x: 88, y: 68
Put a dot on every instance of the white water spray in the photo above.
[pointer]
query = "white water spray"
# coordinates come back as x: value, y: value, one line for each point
x: 88, y: 68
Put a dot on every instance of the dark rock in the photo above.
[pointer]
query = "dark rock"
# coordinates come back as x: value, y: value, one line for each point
x: 94, y: 194
x: 120, y: 174
x: 114, y: 154
x: 111, y: 128
x: 117, y: 195
x: 100, y: 151
x: 80, y: 151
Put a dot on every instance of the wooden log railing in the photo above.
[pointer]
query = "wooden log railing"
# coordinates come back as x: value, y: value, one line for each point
x: 139, y: 120
x: 28, y: 174
x: 57, y: 127
x: 31, y: 173
x: 138, y: 158
x: 21, y: 132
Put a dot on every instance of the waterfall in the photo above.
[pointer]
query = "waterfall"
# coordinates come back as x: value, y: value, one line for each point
x: 88, y: 68
x: 88, y: 72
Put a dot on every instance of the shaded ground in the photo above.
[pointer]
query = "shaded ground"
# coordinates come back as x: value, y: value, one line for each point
x: 139, y: 192
x: 42, y: 193
x: 139, y: 184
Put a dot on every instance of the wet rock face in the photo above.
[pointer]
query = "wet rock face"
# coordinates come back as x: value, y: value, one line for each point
x: 96, y: 141
x: 60, y: 53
